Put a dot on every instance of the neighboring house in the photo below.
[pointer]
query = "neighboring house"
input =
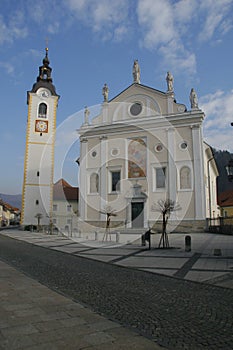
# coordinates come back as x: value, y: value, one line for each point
x: 225, y: 201
x: 143, y: 147
x: 65, y: 207
x: 9, y: 215
x: 211, y: 174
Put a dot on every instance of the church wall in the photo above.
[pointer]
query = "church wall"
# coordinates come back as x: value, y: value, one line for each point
x: 93, y: 209
x: 184, y: 135
x: 38, y: 202
x: 37, y: 172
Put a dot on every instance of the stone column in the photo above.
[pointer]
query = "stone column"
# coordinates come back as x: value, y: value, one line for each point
x: 198, y: 166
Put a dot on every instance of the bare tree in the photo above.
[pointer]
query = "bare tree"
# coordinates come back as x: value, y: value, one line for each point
x: 108, y: 211
x: 166, y: 207
x: 38, y: 216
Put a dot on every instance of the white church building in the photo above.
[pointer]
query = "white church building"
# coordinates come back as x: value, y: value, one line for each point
x: 141, y: 148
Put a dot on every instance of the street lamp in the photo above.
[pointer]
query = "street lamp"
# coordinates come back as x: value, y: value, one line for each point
x: 229, y: 169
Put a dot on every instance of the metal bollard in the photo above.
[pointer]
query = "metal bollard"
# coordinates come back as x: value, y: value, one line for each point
x: 117, y: 237
x: 188, y: 243
x: 96, y: 236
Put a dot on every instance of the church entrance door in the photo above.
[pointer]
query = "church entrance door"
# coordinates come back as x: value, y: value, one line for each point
x: 137, y: 214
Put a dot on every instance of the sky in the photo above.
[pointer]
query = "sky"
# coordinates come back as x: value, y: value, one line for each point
x: 92, y: 42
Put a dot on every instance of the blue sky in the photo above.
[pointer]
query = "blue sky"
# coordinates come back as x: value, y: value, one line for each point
x: 92, y: 42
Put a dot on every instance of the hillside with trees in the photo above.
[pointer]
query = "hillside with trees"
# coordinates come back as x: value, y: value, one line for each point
x: 222, y: 159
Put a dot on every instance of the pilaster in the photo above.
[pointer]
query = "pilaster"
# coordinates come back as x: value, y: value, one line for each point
x: 199, y: 188
x: 103, y: 174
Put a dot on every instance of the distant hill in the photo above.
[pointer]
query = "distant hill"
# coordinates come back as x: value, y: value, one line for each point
x: 13, y: 199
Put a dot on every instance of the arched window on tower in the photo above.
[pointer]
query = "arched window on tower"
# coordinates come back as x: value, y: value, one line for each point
x: 42, y: 110
x: 185, y: 178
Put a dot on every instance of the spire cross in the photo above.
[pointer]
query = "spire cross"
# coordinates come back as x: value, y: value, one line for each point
x: 47, y: 44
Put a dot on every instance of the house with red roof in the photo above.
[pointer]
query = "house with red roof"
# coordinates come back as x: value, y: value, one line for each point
x: 8, y: 214
x: 65, y: 208
x: 225, y: 202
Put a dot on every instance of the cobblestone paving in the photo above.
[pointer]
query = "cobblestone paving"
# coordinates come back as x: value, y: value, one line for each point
x: 177, y: 314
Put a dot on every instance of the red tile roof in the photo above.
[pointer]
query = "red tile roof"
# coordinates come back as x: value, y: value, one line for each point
x: 225, y: 199
x: 62, y: 190
x: 9, y: 207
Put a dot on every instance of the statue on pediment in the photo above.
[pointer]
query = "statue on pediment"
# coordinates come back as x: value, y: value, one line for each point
x: 170, y: 81
x: 105, y: 92
x: 86, y: 116
x: 193, y: 99
x: 136, y: 72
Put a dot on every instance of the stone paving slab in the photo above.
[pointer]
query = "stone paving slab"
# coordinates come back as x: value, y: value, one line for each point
x: 105, y: 258
x: 139, y: 262
x: 175, y: 261
x: 39, y: 318
x: 177, y: 313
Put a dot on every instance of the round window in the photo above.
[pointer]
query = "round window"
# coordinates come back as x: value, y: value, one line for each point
x: 94, y: 154
x: 136, y: 108
x: 183, y: 145
x: 159, y: 147
x: 115, y: 152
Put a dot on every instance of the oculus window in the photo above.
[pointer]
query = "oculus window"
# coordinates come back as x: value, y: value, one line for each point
x: 136, y: 108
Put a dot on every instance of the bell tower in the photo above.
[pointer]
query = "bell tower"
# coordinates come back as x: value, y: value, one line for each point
x: 37, y: 196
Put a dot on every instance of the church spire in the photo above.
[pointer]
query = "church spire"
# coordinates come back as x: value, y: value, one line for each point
x: 44, y: 78
x: 45, y: 71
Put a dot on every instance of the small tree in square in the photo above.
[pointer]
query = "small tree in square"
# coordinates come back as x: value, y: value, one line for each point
x: 165, y: 207
x: 109, y: 212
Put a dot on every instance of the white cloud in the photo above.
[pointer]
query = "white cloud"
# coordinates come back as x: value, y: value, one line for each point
x: 103, y: 16
x: 12, y: 28
x: 8, y: 67
x: 218, y: 109
x: 217, y: 16
x: 156, y: 18
x: 163, y: 30
x: 174, y: 27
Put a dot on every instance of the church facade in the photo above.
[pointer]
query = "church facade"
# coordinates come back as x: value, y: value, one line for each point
x: 142, y: 148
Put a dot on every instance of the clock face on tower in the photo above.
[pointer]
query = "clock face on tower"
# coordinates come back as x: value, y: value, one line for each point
x: 43, y: 93
x: 41, y: 126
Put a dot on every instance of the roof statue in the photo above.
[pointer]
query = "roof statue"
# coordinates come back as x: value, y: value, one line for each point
x: 86, y: 116
x: 136, y: 72
x: 193, y: 99
x: 105, y: 92
x: 170, y: 81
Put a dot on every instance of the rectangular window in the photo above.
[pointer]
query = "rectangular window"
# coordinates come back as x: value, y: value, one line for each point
x: 54, y: 221
x: 161, y: 177
x: 68, y: 221
x: 54, y: 207
x: 69, y: 208
x: 116, y: 177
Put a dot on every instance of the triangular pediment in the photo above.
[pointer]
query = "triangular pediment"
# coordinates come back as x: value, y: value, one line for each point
x: 138, y: 101
x: 136, y: 88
